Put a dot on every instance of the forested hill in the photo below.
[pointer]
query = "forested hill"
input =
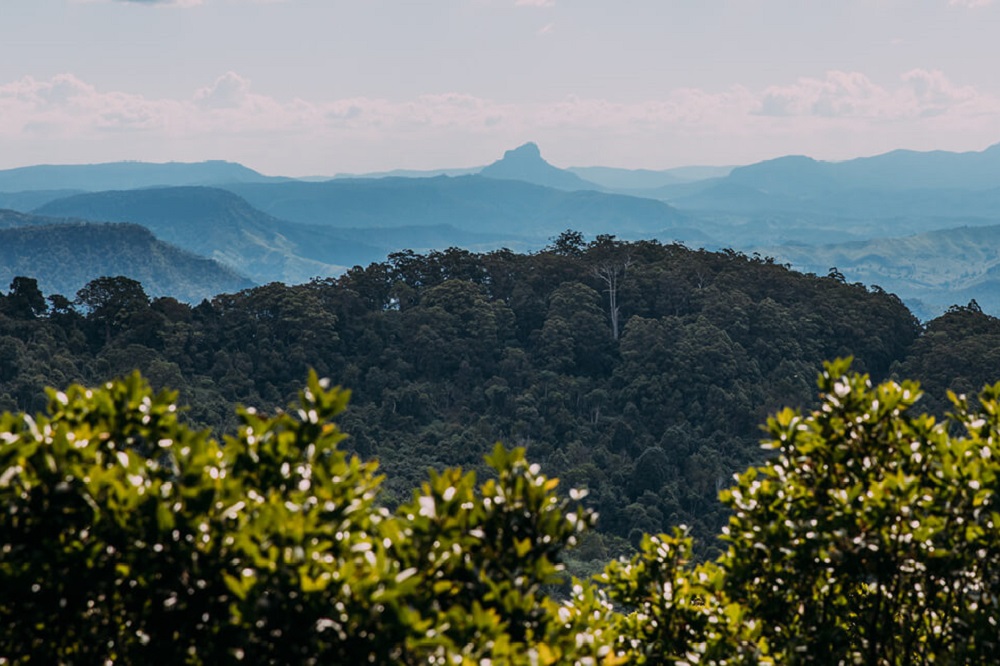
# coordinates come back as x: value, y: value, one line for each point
x: 66, y: 255
x: 448, y: 352
x: 217, y: 224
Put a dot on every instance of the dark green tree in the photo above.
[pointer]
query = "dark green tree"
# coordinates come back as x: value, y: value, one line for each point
x: 111, y: 302
x: 24, y: 300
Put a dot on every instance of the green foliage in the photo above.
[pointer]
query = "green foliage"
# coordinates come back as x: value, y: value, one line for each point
x: 25, y: 299
x: 676, y: 613
x: 127, y: 536
x: 870, y: 537
x: 488, y: 551
x: 959, y: 352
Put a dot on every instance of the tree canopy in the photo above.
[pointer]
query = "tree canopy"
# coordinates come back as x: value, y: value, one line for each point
x: 451, y: 350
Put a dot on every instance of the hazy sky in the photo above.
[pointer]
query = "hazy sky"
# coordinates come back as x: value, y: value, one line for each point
x: 302, y: 87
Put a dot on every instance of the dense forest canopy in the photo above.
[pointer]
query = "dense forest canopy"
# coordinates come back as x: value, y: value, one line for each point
x: 637, y: 370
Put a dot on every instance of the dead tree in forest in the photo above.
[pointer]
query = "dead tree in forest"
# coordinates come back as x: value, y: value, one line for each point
x: 612, y: 272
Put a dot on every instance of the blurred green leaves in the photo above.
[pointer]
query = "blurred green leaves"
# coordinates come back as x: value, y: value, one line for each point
x: 127, y: 536
x: 870, y: 537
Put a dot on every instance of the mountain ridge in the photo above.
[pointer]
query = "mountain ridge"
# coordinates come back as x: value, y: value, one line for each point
x: 126, y: 175
x: 65, y: 255
x: 215, y: 223
x: 472, y: 203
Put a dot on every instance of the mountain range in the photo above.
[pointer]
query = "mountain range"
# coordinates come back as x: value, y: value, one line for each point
x: 218, y: 224
x: 125, y: 175
x: 64, y: 256
x: 521, y: 163
x: 804, y: 211
x: 899, y: 170
x: 930, y: 271
x: 504, y: 208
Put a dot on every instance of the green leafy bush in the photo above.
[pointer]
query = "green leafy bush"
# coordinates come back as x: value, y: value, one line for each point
x: 128, y: 537
x: 870, y: 537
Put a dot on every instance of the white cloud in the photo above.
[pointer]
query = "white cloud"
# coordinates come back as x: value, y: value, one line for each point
x: 933, y: 93
x: 853, y: 95
x: 534, y: 3
x: 66, y: 107
x: 972, y: 4
x: 228, y: 91
x: 842, y: 114
x: 837, y: 94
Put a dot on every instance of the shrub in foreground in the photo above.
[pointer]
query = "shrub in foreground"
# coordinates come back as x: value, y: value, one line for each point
x: 870, y: 537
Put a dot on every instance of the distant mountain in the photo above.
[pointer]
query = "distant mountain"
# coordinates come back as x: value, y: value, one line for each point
x: 621, y: 180
x: 526, y: 163
x: 63, y: 257
x: 31, y: 199
x: 126, y: 176
x: 405, y: 173
x: 909, y: 170
x: 800, y: 183
x: 791, y: 175
x: 852, y: 214
x: 899, y: 170
x: 890, y: 195
x: 934, y: 269
x: 501, y: 209
x: 218, y: 224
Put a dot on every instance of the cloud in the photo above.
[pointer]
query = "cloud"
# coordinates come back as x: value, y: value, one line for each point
x: 932, y: 92
x: 228, y: 91
x: 839, y: 94
x: 839, y: 114
x: 971, y: 4
x: 534, y: 3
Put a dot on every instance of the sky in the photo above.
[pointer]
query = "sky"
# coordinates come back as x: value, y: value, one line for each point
x: 319, y: 87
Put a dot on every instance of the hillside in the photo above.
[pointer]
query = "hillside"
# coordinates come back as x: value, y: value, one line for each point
x: 934, y: 248
x: 504, y: 209
x: 64, y: 257
x: 932, y: 270
x: 215, y: 223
